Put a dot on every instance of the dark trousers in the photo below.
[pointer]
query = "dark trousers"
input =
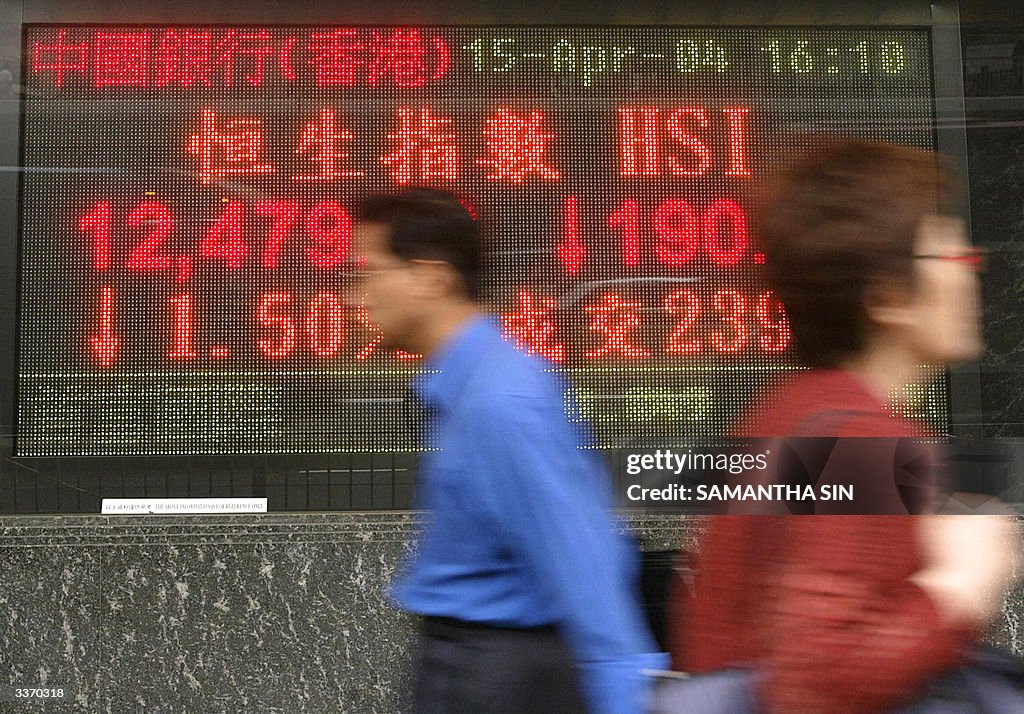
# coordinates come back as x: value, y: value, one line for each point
x: 466, y: 668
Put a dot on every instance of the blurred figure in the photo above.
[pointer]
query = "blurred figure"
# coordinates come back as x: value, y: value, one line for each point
x: 851, y: 614
x: 528, y: 594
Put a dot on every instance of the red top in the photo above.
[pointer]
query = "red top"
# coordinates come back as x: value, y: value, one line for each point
x: 822, y: 604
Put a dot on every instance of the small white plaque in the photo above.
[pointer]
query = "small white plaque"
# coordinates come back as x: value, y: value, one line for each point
x: 176, y: 506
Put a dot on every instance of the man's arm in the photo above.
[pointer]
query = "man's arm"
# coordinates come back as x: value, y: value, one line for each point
x: 850, y: 634
x: 555, y: 503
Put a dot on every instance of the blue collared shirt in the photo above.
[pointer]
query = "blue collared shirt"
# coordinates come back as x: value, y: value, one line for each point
x: 518, y: 530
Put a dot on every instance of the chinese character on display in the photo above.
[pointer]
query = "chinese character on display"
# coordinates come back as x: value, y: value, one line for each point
x: 252, y: 45
x: 336, y: 56
x: 402, y: 55
x: 532, y: 329
x: 322, y: 140
x: 121, y: 59
x: 183, y: 59
x: 516, y: 146
x: 59, y: 58
x: 424, y: 149
x: 234, y: 148
x: 615, y: 318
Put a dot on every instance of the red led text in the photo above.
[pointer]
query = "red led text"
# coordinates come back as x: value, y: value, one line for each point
x: 187, y: 57
x: 682, y: 142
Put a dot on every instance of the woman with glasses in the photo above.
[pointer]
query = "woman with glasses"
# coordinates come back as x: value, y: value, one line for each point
x: 853, y: 613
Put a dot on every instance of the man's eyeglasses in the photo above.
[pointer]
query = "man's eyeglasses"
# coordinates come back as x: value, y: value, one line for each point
x: 974, y: 258
x: 358, y: 272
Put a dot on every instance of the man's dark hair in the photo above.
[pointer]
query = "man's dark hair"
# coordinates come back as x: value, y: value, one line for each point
x: 429, y: 224
x: 841, y: 218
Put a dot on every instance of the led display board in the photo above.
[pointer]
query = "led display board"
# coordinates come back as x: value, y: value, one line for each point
x: 186, y: 218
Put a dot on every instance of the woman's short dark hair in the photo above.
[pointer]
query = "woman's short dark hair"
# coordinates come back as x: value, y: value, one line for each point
x: 841, y: 218
x: 429, y: 224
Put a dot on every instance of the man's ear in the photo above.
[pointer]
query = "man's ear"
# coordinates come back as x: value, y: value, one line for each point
x: 436, y: 279
x: 888, y: 303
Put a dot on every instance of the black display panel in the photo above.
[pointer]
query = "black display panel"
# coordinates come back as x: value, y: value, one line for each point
x: 187, y: 200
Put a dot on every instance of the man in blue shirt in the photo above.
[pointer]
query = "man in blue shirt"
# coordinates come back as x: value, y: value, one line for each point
x: 526, y: 590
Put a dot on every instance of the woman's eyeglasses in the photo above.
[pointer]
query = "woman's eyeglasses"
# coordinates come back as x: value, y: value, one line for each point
x: 974, y: 258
